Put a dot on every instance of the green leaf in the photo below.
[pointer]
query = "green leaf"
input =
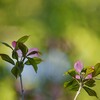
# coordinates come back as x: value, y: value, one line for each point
x: 7, y: 45
x: 23, y: 39
x: 90, y: 83
x: 37, y: 60
x: 90, y: 91
x: 72, y: 85
x: 20, y: 66
x: 14, y: 54
x: 7, y: 58
x: 96, y: 70
x: 33, y: 63
x: 27, y: 62
x: 17, y: 69
x: 68, y: 83
x: 72, y: 72
x: 23, y: 48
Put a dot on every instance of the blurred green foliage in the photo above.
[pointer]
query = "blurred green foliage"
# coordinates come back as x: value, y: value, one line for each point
x: 71, y: 26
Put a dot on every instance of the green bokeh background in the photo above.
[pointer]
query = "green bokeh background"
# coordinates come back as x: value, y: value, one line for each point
x: 68, y: 28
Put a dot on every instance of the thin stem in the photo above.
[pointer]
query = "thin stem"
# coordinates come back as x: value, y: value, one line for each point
x: 78, y: 92
x: 97, y: 78
x: 22, y: 90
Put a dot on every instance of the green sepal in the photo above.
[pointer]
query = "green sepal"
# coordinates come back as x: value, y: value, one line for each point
x: 40, y: 53
x: 17, y: 69
x: 33, y: 52
x: 96, y: 70
x: 23, y: 39
x: 23, y: 48
x: 36, y: 59
x: 90, y: 83
x: 7, y: 58
x: 32, y: 62
x: 7, y: 45
x: 90, y: 91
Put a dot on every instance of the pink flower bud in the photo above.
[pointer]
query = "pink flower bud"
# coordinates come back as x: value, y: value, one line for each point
x: 89, y: 76
x: 77, y: 77
x: 78, y: 66
x: 14, y: 44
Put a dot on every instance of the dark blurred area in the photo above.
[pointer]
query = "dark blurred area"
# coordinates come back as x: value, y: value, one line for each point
x: 63, y: 30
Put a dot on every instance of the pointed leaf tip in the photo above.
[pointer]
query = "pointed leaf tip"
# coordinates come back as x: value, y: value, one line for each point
x: 33, y: 63
x: 6, y: 44
x: 90, y: 91
x: 23, y: 39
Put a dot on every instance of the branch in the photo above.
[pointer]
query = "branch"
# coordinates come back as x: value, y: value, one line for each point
x: 22, y: 90
x: 78, y: 92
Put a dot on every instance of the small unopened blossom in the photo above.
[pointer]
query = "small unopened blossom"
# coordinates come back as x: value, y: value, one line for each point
x: 78, y: 66
x: 14, y: 44
x: 89, y: 76
x: 77, y: 76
